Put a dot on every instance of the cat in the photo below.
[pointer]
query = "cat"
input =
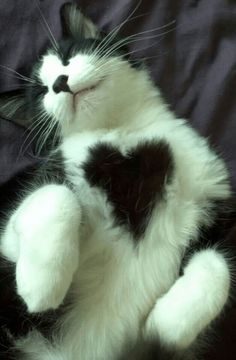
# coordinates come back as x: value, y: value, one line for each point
x: 109, y: 232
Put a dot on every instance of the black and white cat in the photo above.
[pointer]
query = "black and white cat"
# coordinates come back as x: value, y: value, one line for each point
x: 107, y: 237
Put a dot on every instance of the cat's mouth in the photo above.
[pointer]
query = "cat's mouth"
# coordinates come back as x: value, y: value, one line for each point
x: 77, y: 96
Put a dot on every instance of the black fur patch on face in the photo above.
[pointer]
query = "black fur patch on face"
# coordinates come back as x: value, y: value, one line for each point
x: 81, y: 35
x: 133, y: 183
x: 70, y: 47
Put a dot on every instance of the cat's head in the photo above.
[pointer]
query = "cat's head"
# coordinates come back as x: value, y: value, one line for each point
x: 85, y: 80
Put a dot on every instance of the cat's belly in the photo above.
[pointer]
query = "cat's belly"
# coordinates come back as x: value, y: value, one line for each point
x: 113, y: 295
x: 114, y: 289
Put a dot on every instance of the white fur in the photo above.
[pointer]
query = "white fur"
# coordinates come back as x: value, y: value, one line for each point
x: 115, y: 284
x: 192, y: 302
x: 45, y: 231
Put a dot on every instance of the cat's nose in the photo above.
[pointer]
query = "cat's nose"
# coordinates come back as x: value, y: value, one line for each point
x: 61, y: 84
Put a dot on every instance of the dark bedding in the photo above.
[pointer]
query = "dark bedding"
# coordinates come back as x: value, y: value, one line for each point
x: 193, y: 60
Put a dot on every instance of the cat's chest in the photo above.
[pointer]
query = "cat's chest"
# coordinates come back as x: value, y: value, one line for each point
x: 77, y: 147
x: 76, y: 151
x: 118, y: 176
x: 87, y: 155
x: 117, y: 186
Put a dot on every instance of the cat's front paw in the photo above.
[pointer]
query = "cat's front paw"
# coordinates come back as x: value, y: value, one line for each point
x: 43, y: 286
x: 42, y: 237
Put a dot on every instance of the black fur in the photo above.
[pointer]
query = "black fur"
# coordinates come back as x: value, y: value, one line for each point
x: 133, y: 183
x: 218, y: 233
x: 75, y: 43
x: 69, y: 47
x: 15, y: 321
x: 153, y: 350
x: 60, y: 84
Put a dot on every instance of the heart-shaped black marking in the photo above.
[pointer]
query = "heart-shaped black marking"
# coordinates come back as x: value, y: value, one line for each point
x: 134, y: 183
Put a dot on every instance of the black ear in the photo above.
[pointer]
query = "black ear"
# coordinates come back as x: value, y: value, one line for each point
x: 75, y: 24
x: 13, y: 107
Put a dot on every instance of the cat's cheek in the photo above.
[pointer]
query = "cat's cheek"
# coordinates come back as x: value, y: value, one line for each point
x: 48, y: 103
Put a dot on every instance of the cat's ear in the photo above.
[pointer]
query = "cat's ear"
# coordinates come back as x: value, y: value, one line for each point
x: 75, y: 24
x: 13, y: 107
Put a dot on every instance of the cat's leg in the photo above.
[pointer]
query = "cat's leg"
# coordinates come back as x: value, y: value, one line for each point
x: 42, y: 238
x: 194, y: 300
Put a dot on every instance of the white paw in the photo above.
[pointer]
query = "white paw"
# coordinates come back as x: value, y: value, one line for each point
x: 43, y: 286
x: 46, y: 225
x: 9, y: 241
x: 45, y: 269
x: 170, y: 330
x: 193, y: 301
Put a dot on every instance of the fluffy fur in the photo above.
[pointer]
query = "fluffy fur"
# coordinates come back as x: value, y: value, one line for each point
x: 130, y: 170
